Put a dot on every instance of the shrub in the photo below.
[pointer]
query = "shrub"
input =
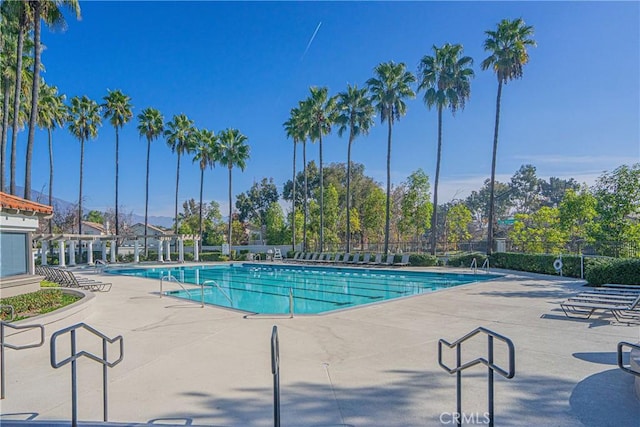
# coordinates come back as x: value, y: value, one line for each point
x: 213, y: 256
x: 611, y: 270
x: 464, y: 260
x: 422, y: 260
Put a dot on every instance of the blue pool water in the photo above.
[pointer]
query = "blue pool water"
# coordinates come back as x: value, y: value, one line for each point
x: 260, y: 288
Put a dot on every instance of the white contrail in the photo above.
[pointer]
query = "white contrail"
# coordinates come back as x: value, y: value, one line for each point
x: 311, y: 40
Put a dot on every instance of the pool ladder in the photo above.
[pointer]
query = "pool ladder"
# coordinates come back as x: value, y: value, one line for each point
x: 170, y: 278
x: 485, y: 266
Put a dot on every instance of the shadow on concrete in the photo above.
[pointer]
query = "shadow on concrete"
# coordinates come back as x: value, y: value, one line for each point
x: 603, y: 358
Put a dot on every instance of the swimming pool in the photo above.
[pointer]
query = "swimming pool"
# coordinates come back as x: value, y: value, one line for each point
x: 260, y: 288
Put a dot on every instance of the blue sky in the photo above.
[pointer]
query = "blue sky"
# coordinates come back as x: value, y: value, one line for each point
x: 574, y: 114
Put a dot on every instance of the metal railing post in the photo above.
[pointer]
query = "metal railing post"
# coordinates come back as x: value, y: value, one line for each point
x: 490, y: 378
x: 275, y: 370
x: 291, y: 303
x: 459, y: 385
x: 74, y: 385
x: 3, y: 344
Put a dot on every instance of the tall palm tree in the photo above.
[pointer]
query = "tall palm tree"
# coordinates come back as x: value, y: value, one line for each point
x: 294, y: 130
x: 304, y: 128
x: 179, y: 134
x: 507, y: 46
x: 52, y: 113
x: 356, y: 115
x: 117, y: 108
x: 8, y: 41
x: 207, y: 154
x: 446, y: 81
x: 389, y: 88
x: 50, y: 12
x: 321, y: 114
x: 233, y: 152
x: 150, y: 125
x: 84, y: 121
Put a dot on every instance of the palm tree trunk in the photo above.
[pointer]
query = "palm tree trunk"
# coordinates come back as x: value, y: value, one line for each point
x: 304, y: 200
x: 387, y: 216
x: 117, y: 175
x: 34, y: 97
x: 229, y: 236
x: 321, y: 200
x: 177, y: 183
x: 5, y: 130
x: 434, y: 217
x: 50, y: 176
x: 146, y: 202
x: 201, y: 187
x: 80, y: 195
x: 293, y: 208
x: 16, y: 102
x: 493, y: 172
x: 351, y: 137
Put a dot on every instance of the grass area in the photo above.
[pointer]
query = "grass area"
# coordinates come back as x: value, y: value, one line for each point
x: 35, y: 303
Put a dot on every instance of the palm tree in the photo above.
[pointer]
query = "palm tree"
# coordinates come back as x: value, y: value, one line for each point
x: 52, y: 113
x: 8, y: 41
x: 389, y: 88
x: 233, y: 152
x: 84, y: 120
x: 355, y: 114
x: 293, y: 128
x: 52, y: 15
x: 321, y: 113
x: 446, y: 80
x: 150, y: 125
x: 508, y: 56
x: 117, y: 108
x: 179, y: 135
x: 207, y: 154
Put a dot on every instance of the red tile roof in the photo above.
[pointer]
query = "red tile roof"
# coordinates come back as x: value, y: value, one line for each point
x: 7, y: 201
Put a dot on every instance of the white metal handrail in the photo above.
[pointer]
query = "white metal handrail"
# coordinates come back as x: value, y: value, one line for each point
x: 170, y: 278
x: 219, y: 288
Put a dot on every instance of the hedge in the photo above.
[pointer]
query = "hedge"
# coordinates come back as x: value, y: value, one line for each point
x: 465, y: 260
x: 421, y: 260
x: 620, y: 271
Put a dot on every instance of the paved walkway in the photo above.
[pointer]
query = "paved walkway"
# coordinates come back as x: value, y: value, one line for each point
x: 371, y: 366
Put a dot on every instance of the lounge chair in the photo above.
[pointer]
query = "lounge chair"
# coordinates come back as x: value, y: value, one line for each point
x: 355, y: 260
x: 403, y: 262
x: 389, y: 260
x: 304, y: 257
x: 296, y: 257
x: 365, y: 259
x: 341, y: 258
x: 623, y: 311
x: 328, y: 258
x: 72, y: 281
x: 377, y: 260
x: 319, y: 259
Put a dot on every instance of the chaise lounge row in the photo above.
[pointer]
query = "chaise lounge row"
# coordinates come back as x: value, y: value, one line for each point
x: 67, y: 279
x: 621, y: 301
x: 347, y: 259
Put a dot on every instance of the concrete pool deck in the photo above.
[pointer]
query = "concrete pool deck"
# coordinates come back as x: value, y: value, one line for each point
x: 371, y: 366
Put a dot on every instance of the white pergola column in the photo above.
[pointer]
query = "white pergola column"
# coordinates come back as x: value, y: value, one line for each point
x: 180, y: 249
x: 136, y: 251
x: 113, y: 251
x: 160, y: 251
x: 90, y: 252
x: 72, y: 253
x: 167, y: 249
x: 43, y: 252
x: 103, y: 245
x: 61, y: 254
x: 196, y: 254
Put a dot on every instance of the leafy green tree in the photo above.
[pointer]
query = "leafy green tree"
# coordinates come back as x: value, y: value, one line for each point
x: 234, y: 151
x: 254, y: 204
x: 84, y: 120
x: 372, y: 215
x: 212, y: 224
x: 507, y: 46
x: 539, y: 232
x: 117, y: 109
x: 95, y: 216
x: 52, y: 113
x: 389, y: 88
x: 312, y: 178
x: 49, y: 11
x: 446, y: 80
x: 553, y: 192
x: 577, y: 212
x: 207, y: 154
x: 239, y: 234
x: 415, y: 206
x: 457, y: 224
x: 479, y: 201
x: 618, y: 210
x: 180, y: 138
x: 320, y: 111
x: 275, y: 225
x: 356, y: 115
x: 525, y: 190
x: 332, y: 216
x: 151, y: 126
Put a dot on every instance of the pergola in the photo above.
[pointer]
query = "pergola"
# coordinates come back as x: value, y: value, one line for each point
x: 72, y: 239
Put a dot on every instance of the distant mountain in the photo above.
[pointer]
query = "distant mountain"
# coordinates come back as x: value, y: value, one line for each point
x: 36, y: 196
